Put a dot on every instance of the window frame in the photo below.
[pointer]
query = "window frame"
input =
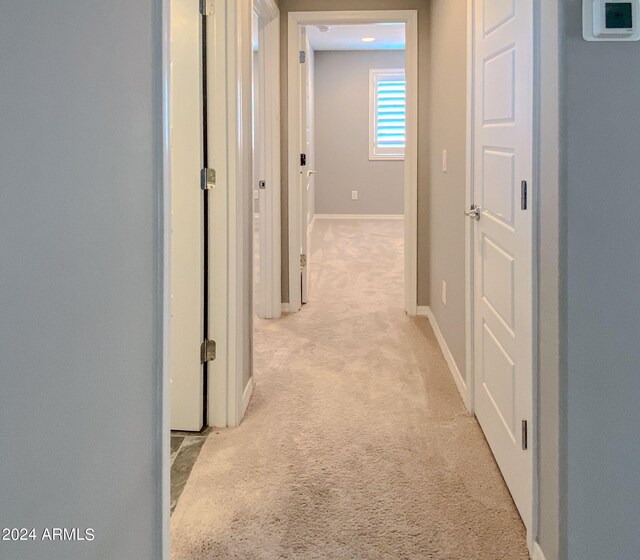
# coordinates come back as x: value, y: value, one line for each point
x: 376, y: 152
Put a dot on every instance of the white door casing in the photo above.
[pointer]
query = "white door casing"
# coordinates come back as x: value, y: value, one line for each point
x: 502, y: 238
x: 295, y: 21
x: 267, y: 160
x: 187, y: 309
x: 230, y: 53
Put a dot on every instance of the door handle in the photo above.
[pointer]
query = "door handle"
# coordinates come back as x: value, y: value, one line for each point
x: 474, y: 212
x: 311, y: 172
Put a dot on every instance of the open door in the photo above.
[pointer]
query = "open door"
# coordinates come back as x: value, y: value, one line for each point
x: 502, y: 232
x: 187, y: 217
x: 307, y: 157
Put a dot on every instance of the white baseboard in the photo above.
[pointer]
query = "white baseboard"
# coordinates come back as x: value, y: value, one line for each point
x: 425, y: 310
x: 285, y: 308
x: 537, y: 553
x: 359, y: 216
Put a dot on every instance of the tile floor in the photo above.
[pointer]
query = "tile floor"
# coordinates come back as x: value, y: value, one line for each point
x: 185, y: 448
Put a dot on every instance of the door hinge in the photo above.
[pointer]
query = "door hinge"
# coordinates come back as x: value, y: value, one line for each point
x: 302, y: 57
x: 207, y: 179
x: 262, y: 184
x: 523, y: 195
x: 208, y: 351
x: 525, y: 435
x: 303, y: 260
x: 303, y: 159
x: 207, y: 7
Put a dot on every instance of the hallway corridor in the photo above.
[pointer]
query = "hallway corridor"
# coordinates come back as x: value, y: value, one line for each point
x: 356, y: 444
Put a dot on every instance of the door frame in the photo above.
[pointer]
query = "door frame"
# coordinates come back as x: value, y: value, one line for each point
x: 410, y: 19
x: 233, y: 153
x: 547, y: 173
x: 230, y: 154
x: 545, y: 178
x: 269, y: 305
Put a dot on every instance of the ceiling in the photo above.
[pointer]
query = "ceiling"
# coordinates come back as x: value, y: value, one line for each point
x: 348, y: 37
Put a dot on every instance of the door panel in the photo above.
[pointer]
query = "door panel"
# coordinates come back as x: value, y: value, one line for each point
x: 186, y: 217
x: 503, y: 237
x: 307, y: 172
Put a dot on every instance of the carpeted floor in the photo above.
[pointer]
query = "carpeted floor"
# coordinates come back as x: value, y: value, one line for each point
x: 356, y: 444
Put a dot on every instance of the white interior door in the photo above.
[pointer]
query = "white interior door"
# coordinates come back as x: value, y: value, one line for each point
x: 307, y: 171
x: 261, y: 295
x: 503, y: 143
x: 187, y: 310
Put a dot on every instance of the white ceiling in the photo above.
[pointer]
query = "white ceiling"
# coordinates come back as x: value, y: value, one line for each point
x: 348, y: 37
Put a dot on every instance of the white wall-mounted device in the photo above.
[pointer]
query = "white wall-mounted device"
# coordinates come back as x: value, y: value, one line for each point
x: 611, y: 20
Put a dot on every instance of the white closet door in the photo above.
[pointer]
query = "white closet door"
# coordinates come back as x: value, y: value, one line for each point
x: 503, y: 279
x: 187, y: 226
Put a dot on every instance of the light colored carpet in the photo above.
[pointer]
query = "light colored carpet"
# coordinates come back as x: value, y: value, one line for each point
x: 356, y: 444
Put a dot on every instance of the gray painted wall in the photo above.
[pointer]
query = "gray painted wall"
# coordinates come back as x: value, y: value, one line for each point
x: 342, y: 137
x: 80, y: 294
x: 601, y: 89
x: 447, y: 117
x: 421, y: 6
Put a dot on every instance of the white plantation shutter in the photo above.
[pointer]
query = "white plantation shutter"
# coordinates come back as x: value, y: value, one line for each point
x: 388, y: 114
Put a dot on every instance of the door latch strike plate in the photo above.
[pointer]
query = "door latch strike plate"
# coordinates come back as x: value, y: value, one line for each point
x: 207, y: 179
x: 208, y: 351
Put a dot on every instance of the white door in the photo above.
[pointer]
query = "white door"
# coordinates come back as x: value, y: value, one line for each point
x: 261, y: 285
x: 307, y: 171
x: 187, y: 309
x: 503, y: 143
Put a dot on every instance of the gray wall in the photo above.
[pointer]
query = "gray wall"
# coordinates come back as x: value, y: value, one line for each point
x: 601, y: 89
x: 80, y: 294
x: 447, y: 117
x: 342, y: 137
x: 421, y: 6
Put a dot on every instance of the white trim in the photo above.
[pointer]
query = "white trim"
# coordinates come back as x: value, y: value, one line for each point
x: 266, y: 9
x: 536, y: 553
x: 240, y: 157
x: 359, y: 217
x: 246, y: 397
x: 448, y: 356
x: 219, y: 117
x: 269, y: 198
x: 163, y: 387
x: 410, y: 18
x: 469, y: 262
x: 547, y: 170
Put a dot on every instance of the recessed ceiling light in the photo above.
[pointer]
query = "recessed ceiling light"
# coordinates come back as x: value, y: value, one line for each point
x: 367, y: 39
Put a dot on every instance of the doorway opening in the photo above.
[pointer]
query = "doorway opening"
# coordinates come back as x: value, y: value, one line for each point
x: 325, y: 30
x: 487, y: 162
